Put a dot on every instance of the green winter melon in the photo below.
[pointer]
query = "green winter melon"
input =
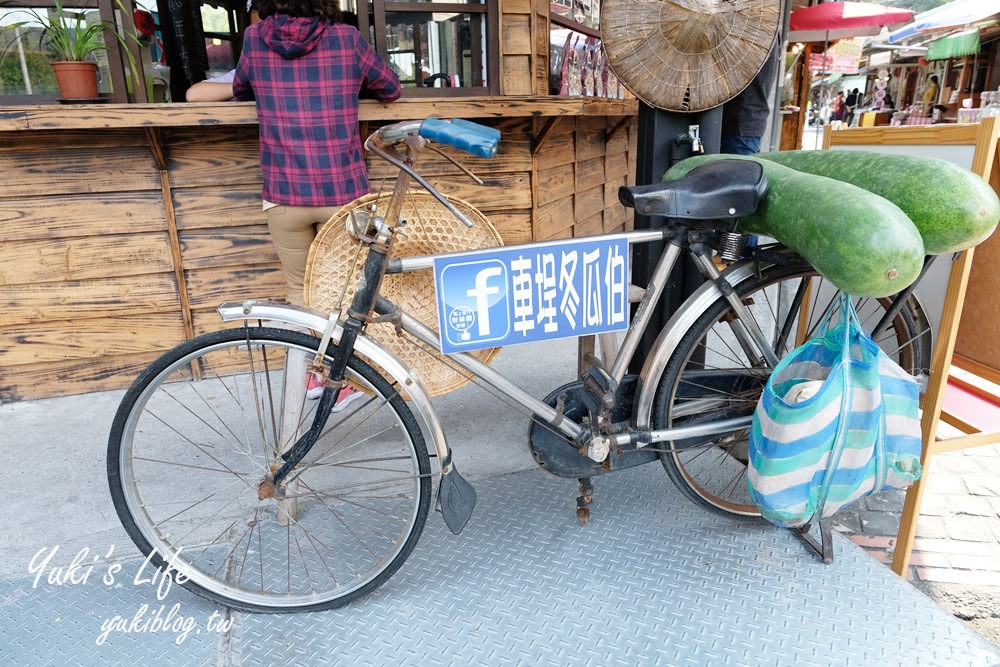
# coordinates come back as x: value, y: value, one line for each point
x: 953, y: 208
x: 863, y: 243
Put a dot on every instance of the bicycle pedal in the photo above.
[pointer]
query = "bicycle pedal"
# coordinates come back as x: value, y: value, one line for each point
x: 599, y: 390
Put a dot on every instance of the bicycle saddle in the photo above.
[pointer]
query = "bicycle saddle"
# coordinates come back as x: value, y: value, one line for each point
x: 713, y: 191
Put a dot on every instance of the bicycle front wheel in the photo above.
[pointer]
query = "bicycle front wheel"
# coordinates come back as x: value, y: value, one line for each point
x: 198, y: 431
x: 711, y: 376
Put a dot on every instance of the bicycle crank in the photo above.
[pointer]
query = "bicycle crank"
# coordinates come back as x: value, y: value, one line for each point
x: 562, y: 457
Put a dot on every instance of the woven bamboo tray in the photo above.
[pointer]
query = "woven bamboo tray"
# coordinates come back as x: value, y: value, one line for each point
x: 334, y: 265
x: 685, y: 55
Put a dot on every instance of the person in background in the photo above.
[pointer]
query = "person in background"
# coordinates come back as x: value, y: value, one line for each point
x: 930, y: 93
x: 744, y: 118
x: 219, y: 88
x: 850, y: 104
x: 838, y: 108
x: 305, y: 70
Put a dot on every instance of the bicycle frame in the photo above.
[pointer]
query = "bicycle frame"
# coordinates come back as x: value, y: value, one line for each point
x: 719, y: 284
x: 345, y: 331
x: 702, y: 375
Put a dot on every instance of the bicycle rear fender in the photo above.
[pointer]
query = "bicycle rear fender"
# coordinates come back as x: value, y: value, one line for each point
x: 427, y: 415
x: 670, y: 336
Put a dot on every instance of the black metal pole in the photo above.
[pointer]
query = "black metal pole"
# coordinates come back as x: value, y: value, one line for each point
x: 656, y: 151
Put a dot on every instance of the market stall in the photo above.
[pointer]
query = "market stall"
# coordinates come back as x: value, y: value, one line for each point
x: 122, y: 225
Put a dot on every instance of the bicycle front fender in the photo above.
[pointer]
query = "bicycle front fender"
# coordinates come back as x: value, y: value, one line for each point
x: 670, y: 336
x: 369, y: 348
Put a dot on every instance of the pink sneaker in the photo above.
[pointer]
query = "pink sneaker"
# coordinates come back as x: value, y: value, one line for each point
x: 314, y: 386
x: 347, y: 395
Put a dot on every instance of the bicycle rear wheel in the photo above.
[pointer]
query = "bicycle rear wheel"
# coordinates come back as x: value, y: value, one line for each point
x: 711, y: 377
x: 198, y: 430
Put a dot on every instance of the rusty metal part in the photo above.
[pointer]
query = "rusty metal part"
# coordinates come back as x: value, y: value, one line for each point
x: 583, y: 501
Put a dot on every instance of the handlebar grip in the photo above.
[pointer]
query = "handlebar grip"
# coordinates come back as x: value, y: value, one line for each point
x: 473, y: 138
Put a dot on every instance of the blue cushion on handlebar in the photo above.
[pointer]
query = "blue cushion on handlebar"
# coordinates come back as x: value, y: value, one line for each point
x: 475, y: 139
x: 476, y: 127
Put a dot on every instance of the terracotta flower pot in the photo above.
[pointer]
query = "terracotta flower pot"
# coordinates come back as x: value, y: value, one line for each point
x: 77, y: 80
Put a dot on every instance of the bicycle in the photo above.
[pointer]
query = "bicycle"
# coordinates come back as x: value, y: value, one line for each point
x: 267, y: 502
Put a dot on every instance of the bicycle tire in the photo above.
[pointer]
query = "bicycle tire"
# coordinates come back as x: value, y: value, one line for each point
x: 197, y: 431
x: 709, y: 377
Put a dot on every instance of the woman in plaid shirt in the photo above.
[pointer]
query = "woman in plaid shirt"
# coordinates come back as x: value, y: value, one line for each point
x: 305, y: 70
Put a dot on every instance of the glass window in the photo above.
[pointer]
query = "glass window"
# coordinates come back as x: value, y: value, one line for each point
x: 24, y: 59
x: 220, y: 30
x: 26, y: 51
x: 437, y: 47
x: 440, y: 49
x: 584, y: 12
x: 433, y: 50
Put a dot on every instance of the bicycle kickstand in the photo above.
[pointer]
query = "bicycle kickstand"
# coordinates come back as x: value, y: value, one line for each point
x: 583, y: 501
x: 823, y: 547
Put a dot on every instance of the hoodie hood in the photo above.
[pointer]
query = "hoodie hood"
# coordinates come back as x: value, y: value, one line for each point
x: 291, y: 36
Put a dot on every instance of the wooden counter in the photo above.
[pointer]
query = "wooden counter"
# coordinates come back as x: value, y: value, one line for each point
x: 122, y: 227
x: 941, y: 134
x: 108, y: 116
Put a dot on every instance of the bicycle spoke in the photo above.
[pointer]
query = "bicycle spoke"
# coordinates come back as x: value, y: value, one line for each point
x: 191, y: 465
x: 711, y: 377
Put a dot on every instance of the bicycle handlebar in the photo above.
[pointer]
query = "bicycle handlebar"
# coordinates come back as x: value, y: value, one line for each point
x: 475, y: 139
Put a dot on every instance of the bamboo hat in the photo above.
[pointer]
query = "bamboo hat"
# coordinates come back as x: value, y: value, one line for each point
x: 334, y: 265
x: 688, y: 55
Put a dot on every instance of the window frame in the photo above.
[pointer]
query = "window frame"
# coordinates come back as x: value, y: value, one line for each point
x: 109, y: 12
x: 489, y: 9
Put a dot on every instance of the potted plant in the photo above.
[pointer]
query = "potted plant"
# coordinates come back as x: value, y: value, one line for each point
x: 74, y: 42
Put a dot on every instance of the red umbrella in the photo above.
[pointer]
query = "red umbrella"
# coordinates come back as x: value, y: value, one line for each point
x: 840, y: 20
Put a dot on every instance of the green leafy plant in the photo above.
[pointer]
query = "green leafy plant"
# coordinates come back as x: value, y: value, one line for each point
x: 69, y: 36
x: 66, y: 35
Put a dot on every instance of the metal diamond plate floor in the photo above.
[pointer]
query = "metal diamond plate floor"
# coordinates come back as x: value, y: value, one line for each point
x: 652, y: 580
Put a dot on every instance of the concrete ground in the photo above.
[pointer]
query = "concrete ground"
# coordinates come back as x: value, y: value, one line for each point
x: 956, y: 552
x: 58, y: 496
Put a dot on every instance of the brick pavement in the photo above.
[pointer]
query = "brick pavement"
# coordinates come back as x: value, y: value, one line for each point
x: 956, y: 551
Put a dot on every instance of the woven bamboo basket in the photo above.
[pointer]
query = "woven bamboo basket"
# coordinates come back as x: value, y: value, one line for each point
x: 688, y: 56
x: 334, y: 265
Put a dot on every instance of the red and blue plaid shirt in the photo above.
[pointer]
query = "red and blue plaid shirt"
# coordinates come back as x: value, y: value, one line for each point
x: 305, y: 75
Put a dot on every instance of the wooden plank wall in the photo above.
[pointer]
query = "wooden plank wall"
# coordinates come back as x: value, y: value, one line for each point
x: 578, y: 169
x: 517, y: 45
x: 116, y: 245
x: 86, y: 276
x: 226, y: 252
x: 504, y: 197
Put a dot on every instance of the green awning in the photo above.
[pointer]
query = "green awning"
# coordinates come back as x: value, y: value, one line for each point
x: 961, y: 44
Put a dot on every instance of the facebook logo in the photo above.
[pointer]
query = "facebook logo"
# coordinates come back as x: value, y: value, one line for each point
x: 472, y: 302
x: 521, y: 294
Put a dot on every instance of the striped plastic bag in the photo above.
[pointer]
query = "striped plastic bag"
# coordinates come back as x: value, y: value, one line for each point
x: 838, y: 420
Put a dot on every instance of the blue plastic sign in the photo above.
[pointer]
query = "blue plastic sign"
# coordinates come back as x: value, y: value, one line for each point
x: 524, y: 294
